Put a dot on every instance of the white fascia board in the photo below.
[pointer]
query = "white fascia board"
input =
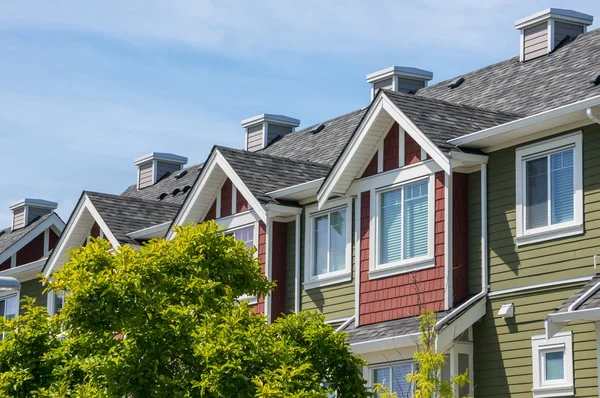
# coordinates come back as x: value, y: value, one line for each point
x: 155, y: 231
x: 460, y: 324
x: 388, y: 343
x: 107, y: 233
x: 270, y: 118
x: 592, y: 314
x: 527, y: 125
x: 404, y: 71
x: 276, y: 210
x: 298, y: 191
x: 462, y: 158
x: 25, y: 272
x: 53, y: 220
x: 39, y: 203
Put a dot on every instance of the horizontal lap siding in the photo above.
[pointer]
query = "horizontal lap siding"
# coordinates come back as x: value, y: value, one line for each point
x: 33, y: 288
x: 385, y: 84
x: 19, y: 218
x: 146, y: 175
x: 536, y: 41
x: 334, y: 301
x: 403, y: 295
x: 503, y: 363
x: 512, y: 266
x: 254, y: 138
x: 226, y: 198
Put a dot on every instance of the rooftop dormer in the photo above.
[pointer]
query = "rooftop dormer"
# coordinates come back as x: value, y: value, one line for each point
x: 263, y: 129
x: 403, y: 79
x: 27, y: 210
x: 154, y: 166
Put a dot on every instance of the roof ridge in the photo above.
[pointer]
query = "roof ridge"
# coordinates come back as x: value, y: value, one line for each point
x: 131, y: 198
x: 471, y: 107
x: 259, y: 153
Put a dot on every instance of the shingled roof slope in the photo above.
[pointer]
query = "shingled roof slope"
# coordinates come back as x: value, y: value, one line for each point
x: 592, y: 302
x: 322, y: 147
x: 123, y: 215
x: 9, y: 238
x: 559, y: 78
x: 168, y: 185
x: 264, y: 173
x: 441, y: 121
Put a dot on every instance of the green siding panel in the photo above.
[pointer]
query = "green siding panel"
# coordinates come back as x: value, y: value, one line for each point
x: 34, y: 288
x: 512, y: 266
x: 503, y: 363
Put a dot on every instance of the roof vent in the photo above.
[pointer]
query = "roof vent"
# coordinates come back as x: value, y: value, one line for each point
x: 595, y: 81
x: 181, y: 174
x: 456, y: 82
x: 176, y: 191
x: 186, y: 188
x: 162, y: 196
x: 542, y: 32
x: 27, y: 210
x: 154, y: 166
x: 261, y: 130
x: 318, y: 129
x: 403, y: 79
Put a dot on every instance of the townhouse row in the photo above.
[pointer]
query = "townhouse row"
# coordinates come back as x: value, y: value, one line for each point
x: 476, y: 198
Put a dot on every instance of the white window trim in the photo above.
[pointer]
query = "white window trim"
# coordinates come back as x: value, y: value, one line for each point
x: 539, y: 345
x: 331, y: 278
x: 545, y: 148
x: 252, y: 300
x: 377, y: 270
x: 372, y: 368
x: 16, y: 294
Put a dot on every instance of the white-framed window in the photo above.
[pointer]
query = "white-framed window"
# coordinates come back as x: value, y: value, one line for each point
x: 9, y: 306
x: 328, y: 244
x: 549, y: 189
x: 249, y: 235
x: 552, y: 365
x: 393, y: 376
x: 404, y: 225
x: 56, y: 301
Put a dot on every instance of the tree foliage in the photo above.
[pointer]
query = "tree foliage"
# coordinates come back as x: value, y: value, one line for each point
x: 165, y: 320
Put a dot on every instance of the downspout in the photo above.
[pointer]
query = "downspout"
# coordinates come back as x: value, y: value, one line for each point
x: 297, y: 267
x: 484, y: 255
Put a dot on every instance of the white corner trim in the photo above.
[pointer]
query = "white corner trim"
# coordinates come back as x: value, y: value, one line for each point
x: 458, y: 323
x: 297, y: 265
x: 347, y: 322
x: 357, y: 264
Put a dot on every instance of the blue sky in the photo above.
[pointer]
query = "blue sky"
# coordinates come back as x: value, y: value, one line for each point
x: 86, y: 87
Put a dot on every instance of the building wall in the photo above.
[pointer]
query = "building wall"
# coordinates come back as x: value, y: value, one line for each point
x: 32, y: 251
x: 164, y: 168
x: 564, y: 29
x: 474, y: 232
x: 146, y: 175
x: 33, y: 288
x: 19, y: 218
x: 536, y: 41
x: 290, y: 267
x: 226, y: 198
x: 254, y: 137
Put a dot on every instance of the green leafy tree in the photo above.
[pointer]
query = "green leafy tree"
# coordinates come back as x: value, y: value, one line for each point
x: 165, y: 321
x: 427, y: 380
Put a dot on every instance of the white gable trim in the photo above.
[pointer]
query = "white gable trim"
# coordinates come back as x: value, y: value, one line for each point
x: 215, y: 160
x: 65, y: 242
x: 380, y: 104
x: 53, y: 220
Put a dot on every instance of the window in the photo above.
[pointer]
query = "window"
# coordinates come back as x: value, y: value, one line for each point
x: 328, y: 245
x: 56, y: 302
x: 245, y: 234
x: 552, y: 365
x: 549, y: 190
x: 9, y: 306
x: 404, y: 222
x: 394, y: 377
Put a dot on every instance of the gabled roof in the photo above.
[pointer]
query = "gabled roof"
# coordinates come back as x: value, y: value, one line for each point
x: 167, y: 185
x: 124, y: 215
x: 9, y: 238
x: 322, y: 147
x: 526, y: 88
x: 441, y: 121
x: 591, y: 301
x: 263, y: 173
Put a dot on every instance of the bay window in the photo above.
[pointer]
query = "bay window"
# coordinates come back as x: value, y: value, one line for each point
x: 328, y: 243
x: 404, y: 225
x: 549, y: 189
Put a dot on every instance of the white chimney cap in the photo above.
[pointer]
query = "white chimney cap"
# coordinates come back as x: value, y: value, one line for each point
x: 164, y: 157
x: 557, y: 14
x: 269, y: 118
x: 39, y: 203
x: 404, y: 71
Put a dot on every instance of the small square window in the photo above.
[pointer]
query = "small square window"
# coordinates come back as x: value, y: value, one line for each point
x: 328, y: 244
x: 549, y: 189
x: 552, y: 365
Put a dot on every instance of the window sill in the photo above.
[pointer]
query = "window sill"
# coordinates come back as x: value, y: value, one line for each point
x: 252, y: 300
x: 553, y: 391
x: 327, y: 281
x: 555, y: 233
x: 401, y: 268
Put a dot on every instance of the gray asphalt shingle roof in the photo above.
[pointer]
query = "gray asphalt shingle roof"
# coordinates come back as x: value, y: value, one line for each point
x: 592, y: 302
x: 529, y: 87
x: 168, y: 185
x: 9, y: 238
x: 123, y: 215
x: 441, y: 121
x: 263, y: 173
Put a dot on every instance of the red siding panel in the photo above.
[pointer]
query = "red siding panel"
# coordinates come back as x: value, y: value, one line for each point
x: 460, y: 241
x: 412, y: 150
x: 95, y: 230
x: 405, y: 295
x: 212, y: 212
x: 226, y: 198
x: 52, y: 240
x: 32, y: 251
x: 371, y: 167
x: 391, y: 149
x: 259, y: 308
x: 241, y: 204
x: 5, y: 265
x: 278, y: 262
